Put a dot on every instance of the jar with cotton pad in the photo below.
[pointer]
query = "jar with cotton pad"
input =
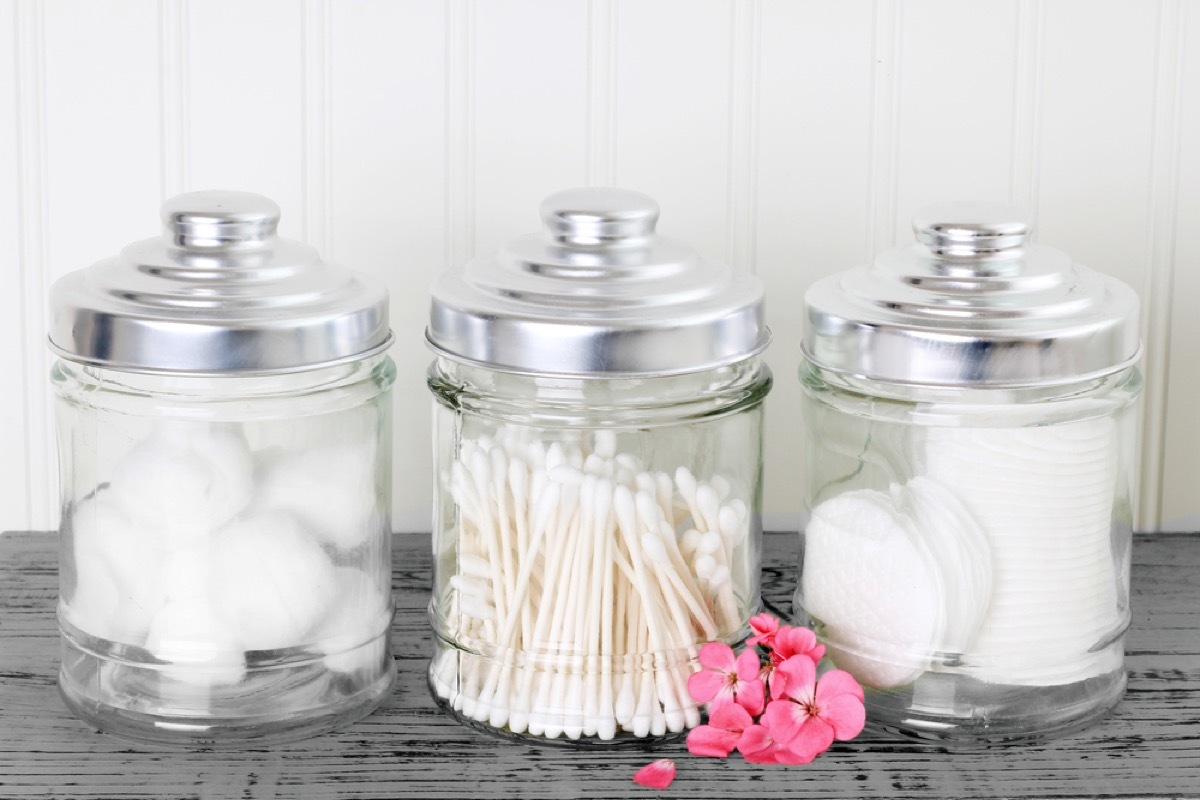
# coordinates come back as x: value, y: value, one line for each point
x: 970, y: 404
x: 222, y: 400
x: 598, y: 447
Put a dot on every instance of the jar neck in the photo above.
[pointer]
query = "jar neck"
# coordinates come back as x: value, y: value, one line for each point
x: 70, y: 375
x: 569, y: 400
x: 1127, y: 380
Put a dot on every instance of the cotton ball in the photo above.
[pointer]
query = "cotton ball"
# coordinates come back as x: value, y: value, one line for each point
x: 93, y: 603
x: 197, y: 644
x: 109, y: 546
x: 272, y: 582
x: 187, y: 573
x: 185, y: 480
x: 350, y: 636
x: 331, y: 488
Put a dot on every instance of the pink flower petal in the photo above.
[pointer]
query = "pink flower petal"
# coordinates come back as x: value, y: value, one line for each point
x: 844, y: 713
x: 718, y: 656
x: 656, y: 774
x: 705, y: 740
x: 748, y: 665
x: 784, y: 719
x: 756, y: 745
x: 764, y: 627
x: 785, y: 756
x: 704, y: 685
x: 800, y: 676
x: 799, y: 642
x: 768, y: 755
x: 729, y: 717
x: 751, y: 696
x: 837, y: 682
x: 813, y: 738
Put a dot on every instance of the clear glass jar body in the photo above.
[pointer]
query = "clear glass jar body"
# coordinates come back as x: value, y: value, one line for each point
x: 967, y: 555
x: 589, y: 535
x: 225, y: 551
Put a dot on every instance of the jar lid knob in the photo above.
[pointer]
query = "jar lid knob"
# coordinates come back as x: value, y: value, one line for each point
x: 971, y: 230
x: 211, y: 220
x: 599, y: 216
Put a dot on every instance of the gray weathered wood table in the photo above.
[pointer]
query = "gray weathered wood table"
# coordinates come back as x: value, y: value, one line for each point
x: 1149, y: 746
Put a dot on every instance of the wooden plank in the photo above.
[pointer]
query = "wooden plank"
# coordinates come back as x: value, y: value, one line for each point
x: 1149, y: 747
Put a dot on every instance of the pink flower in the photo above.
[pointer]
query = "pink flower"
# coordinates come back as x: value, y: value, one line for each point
x: 757, y: 746
x: 812, y: 714
x: 764, y: 627
x: 726, y: 679
x: 656, y: 774
x: 791, y: 642
x: 722, y: 734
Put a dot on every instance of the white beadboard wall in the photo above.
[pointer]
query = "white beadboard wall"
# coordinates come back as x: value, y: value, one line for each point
x: 791, y: 139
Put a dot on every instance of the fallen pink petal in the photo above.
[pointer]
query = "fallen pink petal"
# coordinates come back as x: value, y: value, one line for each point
x: 656, y: 775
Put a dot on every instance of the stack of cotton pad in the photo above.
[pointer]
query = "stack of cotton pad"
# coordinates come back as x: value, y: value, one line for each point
x: 1044, y: 495
x: 897, y: 579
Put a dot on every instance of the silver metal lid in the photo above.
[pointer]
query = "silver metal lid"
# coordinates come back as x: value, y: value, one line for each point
x: 218, y: 292
x: 973, y: 303
x: 597, y: 293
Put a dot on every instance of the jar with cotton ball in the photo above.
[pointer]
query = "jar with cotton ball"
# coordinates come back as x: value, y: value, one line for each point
x: 222, y: 401
x: 598, y: 446
x: 970, y: 404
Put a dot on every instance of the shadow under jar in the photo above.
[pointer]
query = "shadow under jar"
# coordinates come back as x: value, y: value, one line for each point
x: 224, y: 436
x: 970, y: 405
x: 598, y: 446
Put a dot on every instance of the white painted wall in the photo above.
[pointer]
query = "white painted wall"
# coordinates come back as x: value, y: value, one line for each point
x: 789, y: 138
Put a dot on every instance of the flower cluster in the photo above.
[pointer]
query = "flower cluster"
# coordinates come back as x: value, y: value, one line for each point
x: 798, y: 717
x: 772, y: 710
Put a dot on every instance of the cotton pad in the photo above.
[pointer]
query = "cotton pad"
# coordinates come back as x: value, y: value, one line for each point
x: 897, y: 579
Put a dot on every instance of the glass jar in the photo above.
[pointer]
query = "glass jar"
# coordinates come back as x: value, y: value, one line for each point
x: 225, y: 564
x: 970, y: 407
x: 598, y: 447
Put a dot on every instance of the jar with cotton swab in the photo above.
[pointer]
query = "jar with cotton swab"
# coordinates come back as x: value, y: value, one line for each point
x: 970, y: 404
x: 225, y: 450
x: 598, y: 445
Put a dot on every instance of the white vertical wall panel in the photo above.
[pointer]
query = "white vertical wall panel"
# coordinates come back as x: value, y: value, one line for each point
x: 387, y: 197
x: 673, y: 113
x: 246, y: 72
x: 100, y: 171
x: 954, y: 134
x: 1181, y: 463
x: 1096, y: 141
x: 814, y: 177
x: 530, y: 101
x: 14, y: 477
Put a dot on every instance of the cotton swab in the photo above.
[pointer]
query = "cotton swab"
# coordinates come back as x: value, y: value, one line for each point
x: 586, y: 584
